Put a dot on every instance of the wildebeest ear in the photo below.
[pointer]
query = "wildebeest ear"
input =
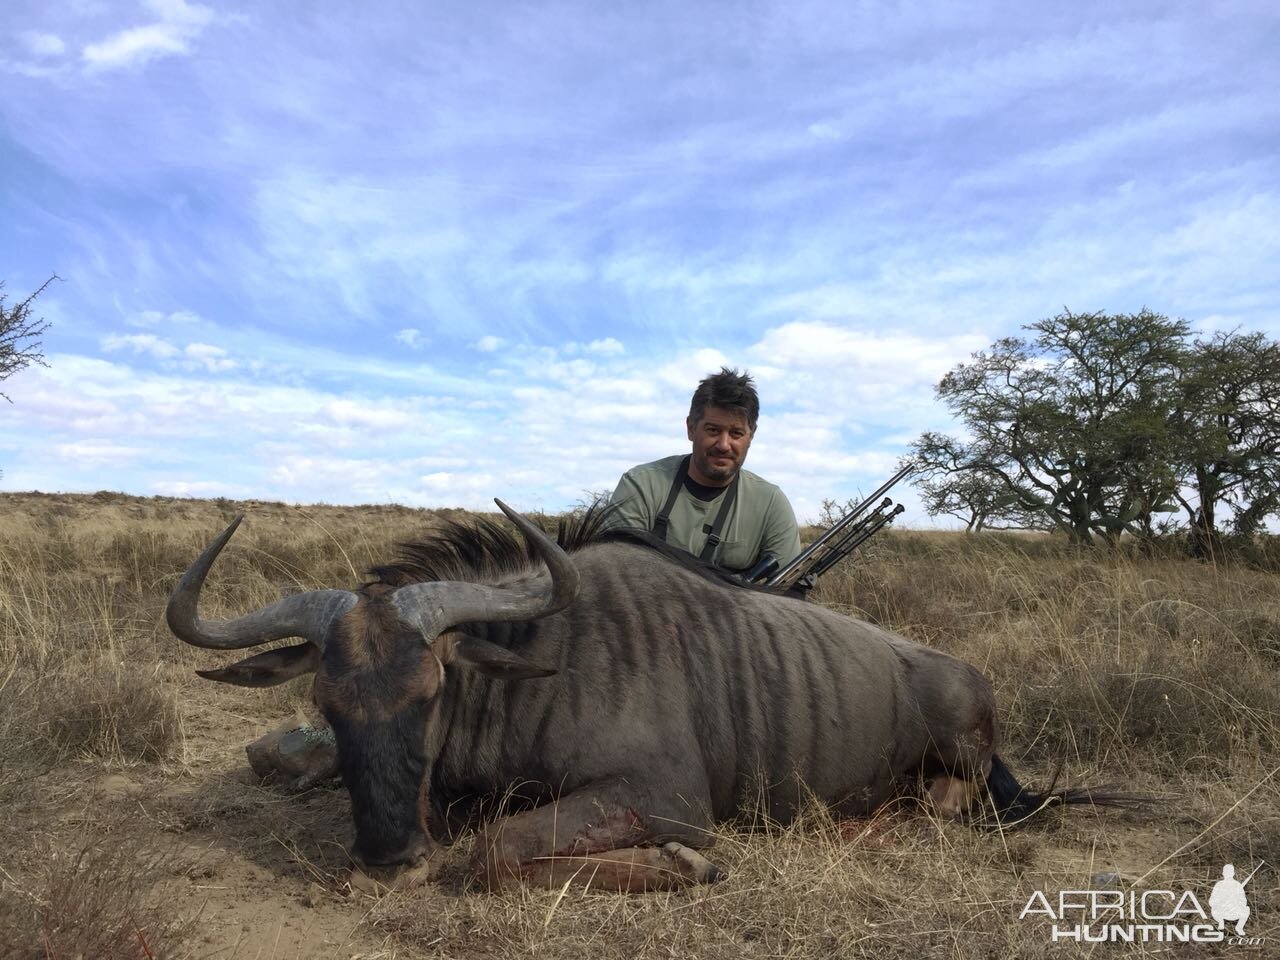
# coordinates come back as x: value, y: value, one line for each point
x: 268, y: 669
x: 494, y: 661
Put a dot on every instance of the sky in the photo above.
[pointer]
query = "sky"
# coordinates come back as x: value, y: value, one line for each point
x: 433, y: 253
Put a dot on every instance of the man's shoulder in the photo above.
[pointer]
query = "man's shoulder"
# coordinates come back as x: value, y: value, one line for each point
x: 759, y: 484
x: 666, y: 467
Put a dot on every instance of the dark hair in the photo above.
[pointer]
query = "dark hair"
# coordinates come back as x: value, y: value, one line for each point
x: 729, y: 389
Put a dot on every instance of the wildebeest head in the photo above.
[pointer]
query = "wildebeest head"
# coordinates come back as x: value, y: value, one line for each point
x: 380, y: 657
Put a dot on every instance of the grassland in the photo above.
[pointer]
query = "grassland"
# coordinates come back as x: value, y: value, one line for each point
x: 133, y: 828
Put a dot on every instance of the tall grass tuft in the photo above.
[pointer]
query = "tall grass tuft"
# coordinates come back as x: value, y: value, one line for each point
x: 95, y: 901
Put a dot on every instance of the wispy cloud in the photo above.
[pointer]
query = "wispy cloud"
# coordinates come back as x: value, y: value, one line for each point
x: 147, y: 343
x: 41, y: 44
x: 178, y: 25
x: 193, y: 356
x: 411, y: 337
x: 605, y: 347
x: 97, y: 451
x: 209, y: 357
x: 156, y: 318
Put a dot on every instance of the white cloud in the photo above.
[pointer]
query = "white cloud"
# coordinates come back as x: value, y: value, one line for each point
x: 202, y: 488
x: 155, y: 318
x: 99, y: 451
x: 529, y: 442
x: 411, y: 337
x: 488, y: 344
x: 139, y: 343
x: 211, y: 358
x: 41, y: 44
x: 135, y: 46
x: 606, y: 347
x: 36, y: 71
x: 827, y: 132
x: 881, y: 355
x: 686, y: 370
x: 383, y: 416
x: 179, y: 24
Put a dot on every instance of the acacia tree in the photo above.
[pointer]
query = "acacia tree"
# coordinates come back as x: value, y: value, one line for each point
x: 953, y: 481
x: 20, y: 335
x: 1227, y: 426
x: 1068, y: 430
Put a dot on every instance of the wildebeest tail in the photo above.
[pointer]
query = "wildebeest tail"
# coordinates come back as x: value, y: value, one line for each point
x: 1013, y: 803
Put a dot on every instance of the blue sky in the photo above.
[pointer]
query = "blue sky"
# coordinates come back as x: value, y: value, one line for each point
x: 434, y: 253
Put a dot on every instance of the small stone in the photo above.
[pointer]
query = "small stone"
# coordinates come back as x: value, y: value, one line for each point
x: 297, y: 752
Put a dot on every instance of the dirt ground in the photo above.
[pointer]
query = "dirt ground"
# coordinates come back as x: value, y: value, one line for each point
x: 261, y: 871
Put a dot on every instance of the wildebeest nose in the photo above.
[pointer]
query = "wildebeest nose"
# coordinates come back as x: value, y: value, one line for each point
x: 415, y: 850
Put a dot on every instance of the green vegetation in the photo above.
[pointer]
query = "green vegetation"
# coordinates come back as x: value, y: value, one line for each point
x: 20, y: 334
x: 1101, y: 425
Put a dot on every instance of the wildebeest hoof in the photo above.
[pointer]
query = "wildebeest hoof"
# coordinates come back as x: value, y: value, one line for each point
x: 692, y: 864
x: 379, y: 881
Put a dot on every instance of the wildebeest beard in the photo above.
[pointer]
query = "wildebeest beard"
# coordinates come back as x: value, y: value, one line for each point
x: 378, y: 704
x: 384, y: 765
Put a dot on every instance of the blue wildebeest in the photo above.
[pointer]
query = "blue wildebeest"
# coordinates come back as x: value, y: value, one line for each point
x: 621, y: 697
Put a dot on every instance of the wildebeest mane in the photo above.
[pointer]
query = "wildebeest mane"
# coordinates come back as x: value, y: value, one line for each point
x: 682, y: 558
x: 483, y: 548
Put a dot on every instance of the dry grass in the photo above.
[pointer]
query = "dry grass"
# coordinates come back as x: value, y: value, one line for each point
x: 1106, y: 661
x: 1156, y: 673
x: 819, y: 888
x: 96, y: 900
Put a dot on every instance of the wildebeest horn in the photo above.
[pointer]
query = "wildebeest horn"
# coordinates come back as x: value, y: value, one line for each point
x: 434, y: 607
x: 304, y: 615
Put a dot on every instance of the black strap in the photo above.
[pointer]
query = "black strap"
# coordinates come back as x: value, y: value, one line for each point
x: 663, y: 521
x: 713, y: 532
x: 664, y: 515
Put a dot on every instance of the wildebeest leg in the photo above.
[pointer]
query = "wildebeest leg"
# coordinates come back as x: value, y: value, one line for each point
x: 953, y: 797
x: 588, y: 838
x: 959, y: 708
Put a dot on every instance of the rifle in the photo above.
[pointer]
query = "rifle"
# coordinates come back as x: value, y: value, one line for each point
x: 837, y: 542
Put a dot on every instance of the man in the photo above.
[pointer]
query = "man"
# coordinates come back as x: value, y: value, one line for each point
x: 705, y: 502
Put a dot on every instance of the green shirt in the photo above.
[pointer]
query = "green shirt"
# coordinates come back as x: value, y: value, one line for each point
x: 760, y: 521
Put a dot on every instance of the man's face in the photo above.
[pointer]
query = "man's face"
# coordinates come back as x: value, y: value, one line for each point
x: 721, y: 439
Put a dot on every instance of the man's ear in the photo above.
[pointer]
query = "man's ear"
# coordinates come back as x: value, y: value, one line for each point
x: 689, y: 426
x: 270, y: 668
x: 493, y: 661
